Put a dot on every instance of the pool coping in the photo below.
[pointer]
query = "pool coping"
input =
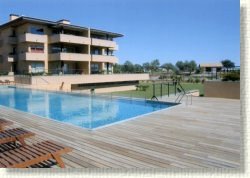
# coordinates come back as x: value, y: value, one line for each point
x: 136, y: 117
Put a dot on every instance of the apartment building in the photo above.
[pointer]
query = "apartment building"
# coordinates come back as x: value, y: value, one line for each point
x: 31, y: 45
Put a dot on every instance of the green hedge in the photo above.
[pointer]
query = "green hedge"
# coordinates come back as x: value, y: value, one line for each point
x: 233, y: 76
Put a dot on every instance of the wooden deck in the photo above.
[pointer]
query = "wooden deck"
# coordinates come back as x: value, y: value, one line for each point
x: 203, y: 135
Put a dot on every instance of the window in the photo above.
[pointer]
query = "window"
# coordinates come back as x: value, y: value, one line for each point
x: 13, y: 33
x: 108, y: 67
x: 94, y: 68
x: 55, y: 49
x: 37, y: 67
x: 37, y: 30
x: 108, y: 52
x: 13, y: 52
x: 37, y: 49
x: 96, y: 51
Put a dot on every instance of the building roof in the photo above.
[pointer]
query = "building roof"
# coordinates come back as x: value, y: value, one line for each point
x: 211, y: 65
x: 55, y: 24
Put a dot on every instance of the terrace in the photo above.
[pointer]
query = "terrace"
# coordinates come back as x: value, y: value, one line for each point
x: 193, y: 136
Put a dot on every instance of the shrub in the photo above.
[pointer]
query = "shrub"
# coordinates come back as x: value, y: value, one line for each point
x: 162, y: 77
x: 142, y: 87
x: 203, y: 80
x: 190, y: 80
x: 197, y: 80
x: 232, y: 76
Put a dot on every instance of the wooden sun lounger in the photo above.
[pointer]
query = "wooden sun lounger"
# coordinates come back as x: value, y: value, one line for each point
x: 3, y: 123
x: 33, y: 154
x: 13, y: 135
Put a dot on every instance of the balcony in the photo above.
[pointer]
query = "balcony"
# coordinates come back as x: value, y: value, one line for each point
x: 104, y: 58
x: 11, y: 58
x: 69, y: 57
x: 104, y: 43
x: 69, y: 39
x: 32, y: 56
x: 28, y: 37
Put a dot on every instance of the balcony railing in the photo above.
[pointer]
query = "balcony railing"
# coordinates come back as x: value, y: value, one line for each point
x: 69, y: 39
x: 30, y: 56
x: 29, y: 37
x: 11, y: 57
x: 104, y: 58
x: 104, y: 43
x: 62, y: 56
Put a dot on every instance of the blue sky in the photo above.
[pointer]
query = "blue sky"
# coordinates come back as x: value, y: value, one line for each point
x: 168, y: 30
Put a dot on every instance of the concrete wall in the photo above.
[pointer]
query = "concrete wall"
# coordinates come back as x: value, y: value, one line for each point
x: 22, y: 80
x: 7, y: 77
x: 80, y: 79
x: 64, y: 82
x: 220, y: 89
x: 107, y: 90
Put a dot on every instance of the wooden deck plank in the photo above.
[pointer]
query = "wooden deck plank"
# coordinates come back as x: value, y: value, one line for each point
x: 203, y: 135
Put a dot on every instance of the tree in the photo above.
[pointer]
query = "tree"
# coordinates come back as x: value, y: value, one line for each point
x: 138, y: 68
x: 168, y: 67
x: 146, y: 66
x: 154, y: 65
x: 186, y: 66
x: 228, y: 64
x: 128, y: 67
x: 180, y: 65
x: 117, y: 68
x: 192, y: 66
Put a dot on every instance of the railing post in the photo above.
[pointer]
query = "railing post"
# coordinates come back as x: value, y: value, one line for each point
x: 153, y: 89
x: 175, y: 87
x: 168, y: 89
x: 161, y: 90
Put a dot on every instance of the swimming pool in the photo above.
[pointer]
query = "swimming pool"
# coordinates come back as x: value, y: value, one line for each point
x: 81, y: 110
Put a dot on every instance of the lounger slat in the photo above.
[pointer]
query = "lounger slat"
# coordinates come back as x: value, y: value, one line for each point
x: 13, y: 135
x: 6, y: 147
x: 21, y: 156
x: 31, y: 149
x: 55, y: 145
x: 25, y: 153
x: 42, y: 147
x: 13, y: 157
x: 39, y: 149
x: 48, y: 147
x: 1, y: 164
x: 30, y: 162
x: 8, y: 159
x: 32, y: 154
x: 60, y: 148
x: 4, y: 162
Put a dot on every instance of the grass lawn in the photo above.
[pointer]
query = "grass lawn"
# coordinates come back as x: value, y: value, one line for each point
x: 149, y: 91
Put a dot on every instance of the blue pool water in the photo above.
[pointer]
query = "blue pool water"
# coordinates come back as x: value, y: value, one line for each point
x: 81, y: 110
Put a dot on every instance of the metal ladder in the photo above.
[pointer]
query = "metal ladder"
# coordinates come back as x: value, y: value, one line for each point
x: 183, y: 93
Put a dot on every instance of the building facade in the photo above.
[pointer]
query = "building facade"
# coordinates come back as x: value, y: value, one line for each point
x: 211, y: 68
x: 30, y: 45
